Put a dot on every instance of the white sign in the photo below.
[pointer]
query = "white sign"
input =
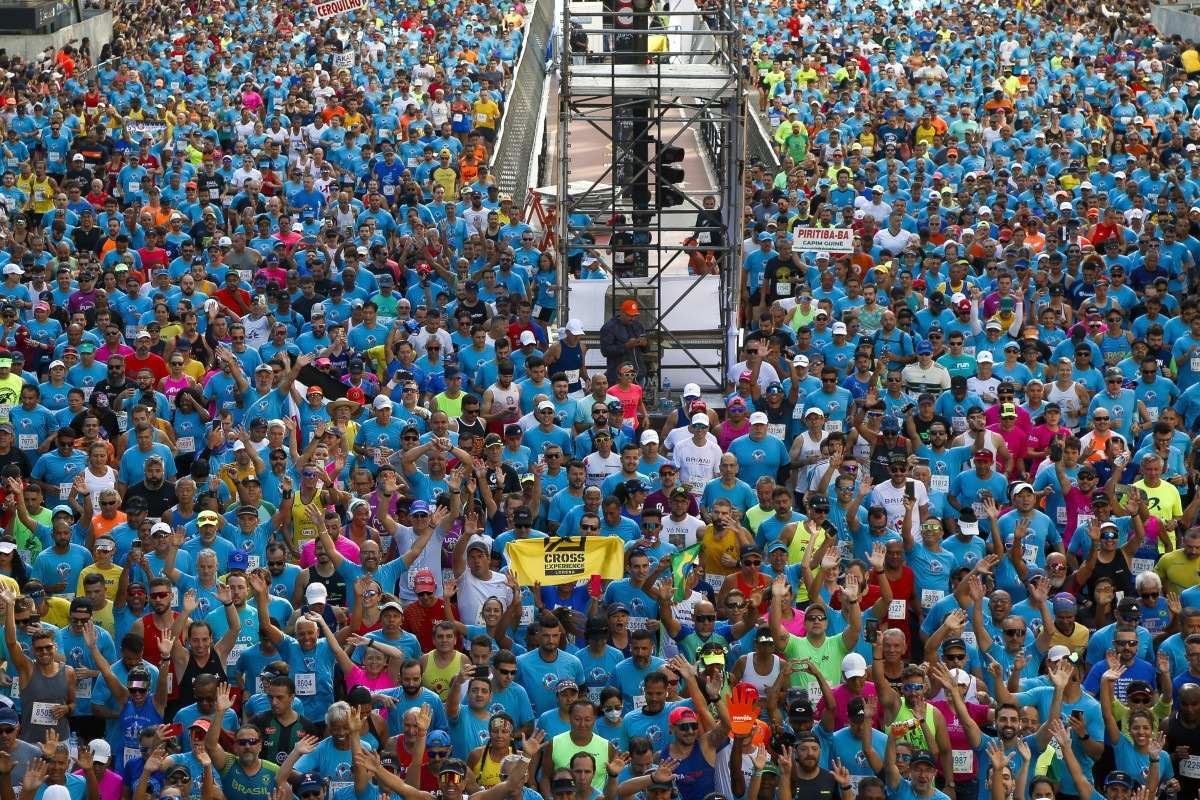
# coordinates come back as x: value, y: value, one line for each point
x: 343, y: 60
x: 145, y: 130
x: 829, y: 240
x: 334, y: 7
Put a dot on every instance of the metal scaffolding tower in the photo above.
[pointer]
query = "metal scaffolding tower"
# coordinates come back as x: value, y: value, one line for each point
x: 645, y: 78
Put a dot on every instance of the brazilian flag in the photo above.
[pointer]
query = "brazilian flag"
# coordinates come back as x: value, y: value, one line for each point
x: 681, y: 564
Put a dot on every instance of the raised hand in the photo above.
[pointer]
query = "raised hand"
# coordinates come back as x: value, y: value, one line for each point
x: 305, y: 744
x: 878, y: 555
x: 616, y: 764
x: 840, y: 773
x: 190, y: 602
x: 532, y: 744
x: 424, y: 717
x: 35, y: 776
x: 224, y: 699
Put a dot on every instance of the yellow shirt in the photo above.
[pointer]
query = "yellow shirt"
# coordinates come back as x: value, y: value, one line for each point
x: 447, y: 178
x: 486, y: 113
x: 58, y: 612
x: 1177, y: 571
x: 112, y: 576
x: 1076, y: 642
x: 1162, y: 501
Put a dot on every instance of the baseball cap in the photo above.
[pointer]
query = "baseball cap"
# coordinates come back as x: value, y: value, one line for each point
x: 423, y: 581
x: 854, y: 666
x: 681, y: 714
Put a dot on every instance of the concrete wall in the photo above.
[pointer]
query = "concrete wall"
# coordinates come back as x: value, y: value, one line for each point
x: 97, y: 26
x: 1181, y: 18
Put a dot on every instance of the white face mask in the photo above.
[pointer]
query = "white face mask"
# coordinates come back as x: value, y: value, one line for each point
x: 613, y: 715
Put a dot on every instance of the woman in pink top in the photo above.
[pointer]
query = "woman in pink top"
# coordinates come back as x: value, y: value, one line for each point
x: 737, y: 423
x: 374, y: 673
x: 97, y: 758
x: 633, y: 410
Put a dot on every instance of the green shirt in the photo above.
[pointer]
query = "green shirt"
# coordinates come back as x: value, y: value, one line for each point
x: 827, y: 656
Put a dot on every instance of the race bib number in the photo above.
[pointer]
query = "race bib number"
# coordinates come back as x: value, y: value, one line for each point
x: 457, y: 117
x: 939, y: 483
x: 814, y: 692
x: 594, y: 694
x: 897, y: 609
x: 43, y: 714
x: 1084, y: 520
x: 964, y: 761
x: 14, y: 691
x: 783, y: 287
x: 64, y: 491
x: 134, y: 187
x: 185, y: 444
x: 235, y: 653
x: 254, y: 561
x: 131, y: 754
x: 572, y: 376
x: 123, y: 421
x: 969, y: 638
x: 833, y: 426
x: 83, y: 688
x: 306, y: 684
x: 1190, y: 767
x: 1029, y: 553
x: 930, y: 596
x: 777, y: 430
x: 959, y: 424
x: 27, y: 441
x: 1140, y: 565
x: 527, y: 615
x: 1061, y: 515
x: 639, y: 701
x: 638, y: 624
x: 704, y: 238
x: 481, y: 119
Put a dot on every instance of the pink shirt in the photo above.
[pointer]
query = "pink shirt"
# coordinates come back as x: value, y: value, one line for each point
x: 347, y: 548
x: 359, y: 677
x: 111, y: 785
x: 841, y: 698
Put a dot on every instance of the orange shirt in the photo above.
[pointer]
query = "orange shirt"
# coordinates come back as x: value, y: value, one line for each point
x: 102, y: 525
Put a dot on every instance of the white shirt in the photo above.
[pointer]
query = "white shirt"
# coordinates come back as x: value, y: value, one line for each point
x: 683, y: 533
x: 473, y: 592
x: 892, y: 499
x: 698, y: 464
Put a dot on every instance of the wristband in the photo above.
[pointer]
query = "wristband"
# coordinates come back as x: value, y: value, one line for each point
x: 227, y: 605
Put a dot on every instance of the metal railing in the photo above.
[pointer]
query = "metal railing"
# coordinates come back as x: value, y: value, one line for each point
x: 518, y: 129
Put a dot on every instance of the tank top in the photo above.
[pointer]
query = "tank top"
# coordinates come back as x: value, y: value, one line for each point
x: 171, y: 386
x: 1068, y: 401
x: 570, y: 362
x: 133, y: 721
x: 38, y: 697
x: 437, y: 679
x: 759, y: 680
x: 695, y: 778
x: 155, y: 639
x: 1117, y: 570
x: 451, y: 405
x: 304, y: 527
x: 335, y: 585
x: 509, y: 399
x: 562, y: 749
x: 194, y: 670
x: 487, y: 771
x: 915, y: 736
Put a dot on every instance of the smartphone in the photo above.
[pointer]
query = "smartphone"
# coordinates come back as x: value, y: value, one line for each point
x: 482, y: 672
x: 1055, y: 451
x: 871, y: 633
x: 1077, y: 714
x: 136, y: 544
x: 910, y: 489
x: 594, y: 586
x: 174, y: 731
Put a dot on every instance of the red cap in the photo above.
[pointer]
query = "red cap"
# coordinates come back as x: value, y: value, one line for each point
x: 681, y: 714
x: 423, y: 581
x: 357, y: 395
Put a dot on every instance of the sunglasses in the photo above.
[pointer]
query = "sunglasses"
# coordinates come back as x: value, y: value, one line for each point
x: 507, y: 671
x: 438, y: 754
x: 914, y: 687
x: 687, y: 726
x: 752, y: 562
x: 1014, y: 631
x: 589, y: 527
x: 247, y: 742
x: 706, y: 618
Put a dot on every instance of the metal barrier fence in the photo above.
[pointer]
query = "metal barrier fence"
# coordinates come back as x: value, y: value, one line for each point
x: 515, y: 138
x: 1180, y: 18
x: 759, y: 146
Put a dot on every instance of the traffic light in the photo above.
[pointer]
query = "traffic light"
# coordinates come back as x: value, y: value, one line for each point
x: 667, y: 175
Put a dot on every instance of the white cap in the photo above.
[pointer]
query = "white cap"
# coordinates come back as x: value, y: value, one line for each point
x: 814, y: 410
x: 101, y: 751
x: 838, y: 328
x: 1058, y: 652
x: 821, y: 255
x: 527, y: 337
x: 381, y: 401
x: 575, y: 327
x: 1065, y: 206
x: 700, y: 418
x: 961, y: 676
x: 57, y: 363
x: 985, y: 357
x: 1020, y: 487
x: 56, y: 793
x: 239, y: 445
x: 758, y: 418
x: 1135, y: 213
x: 691, y: 390
x: 225, y: 241
x: 542, y: 406
x: 649, y: 437
x: 13, y: 269
x: 854, y: 665
x: 316, y: 593
x: 160, y: 526
x: 800, y: 360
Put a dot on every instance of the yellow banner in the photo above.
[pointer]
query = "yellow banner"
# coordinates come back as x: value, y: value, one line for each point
x: 566, y: 559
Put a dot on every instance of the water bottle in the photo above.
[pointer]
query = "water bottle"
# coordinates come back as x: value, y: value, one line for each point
x: 666, y: 404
